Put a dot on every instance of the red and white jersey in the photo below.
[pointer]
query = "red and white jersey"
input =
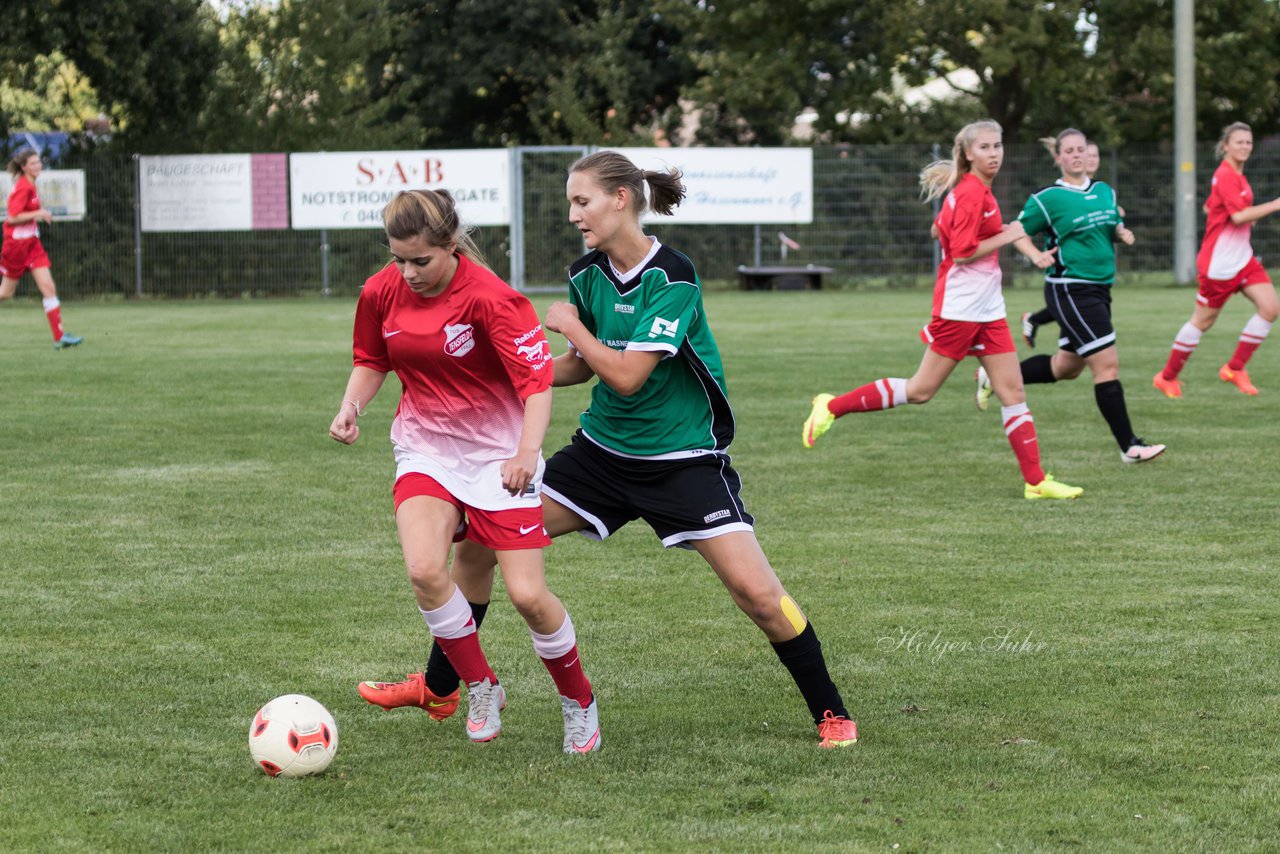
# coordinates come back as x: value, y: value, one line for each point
x: 22, y: 199
x: 971, y: 292
x: 467, y: 360
x: 1226, y: 247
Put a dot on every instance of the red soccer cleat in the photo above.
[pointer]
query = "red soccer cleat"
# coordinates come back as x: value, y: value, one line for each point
x: 411, y: 692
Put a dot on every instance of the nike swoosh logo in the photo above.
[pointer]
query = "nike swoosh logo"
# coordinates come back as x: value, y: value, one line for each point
x: 987, y: 214
x: 386, y: 334
x: 571, y: 663
x: 524, y: 530
x: 586, y: 746
x: 475, y: 727
x: 433, y: 704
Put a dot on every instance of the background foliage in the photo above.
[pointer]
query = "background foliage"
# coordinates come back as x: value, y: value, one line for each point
x: 194, y: 75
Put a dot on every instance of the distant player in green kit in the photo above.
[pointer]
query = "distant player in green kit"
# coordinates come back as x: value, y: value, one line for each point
x: 1081, y: 222
x: 653, y: 443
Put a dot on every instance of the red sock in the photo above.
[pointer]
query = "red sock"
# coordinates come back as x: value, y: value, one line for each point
x: 1251, y: 338
x: 881, y: 394
x: 566, y: 671
x: 54, y: 316
x: 1020, y: 427
x: 467, y: 658
x: 1244, y: 351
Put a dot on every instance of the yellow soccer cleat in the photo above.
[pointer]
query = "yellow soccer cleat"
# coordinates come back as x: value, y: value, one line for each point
x: 983, y: 397
x: 1050, y: 488
x: 819, y: 421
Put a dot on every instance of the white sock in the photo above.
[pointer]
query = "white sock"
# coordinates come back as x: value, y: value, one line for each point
x: 452, y: 619
x: 557, y: 643
x: 1255, y: 331
x: 50, y: 303
x: 1188, y: 337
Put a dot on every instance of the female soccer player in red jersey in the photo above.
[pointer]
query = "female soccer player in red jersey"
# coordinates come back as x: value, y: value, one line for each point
x: 653, y: 444
x: 968, y: 308
x: 22, y: 250
x: 1226, y: 265
x: 475, y: 369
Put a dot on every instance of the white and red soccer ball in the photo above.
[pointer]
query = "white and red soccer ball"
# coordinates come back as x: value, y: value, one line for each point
x: 293, y: 736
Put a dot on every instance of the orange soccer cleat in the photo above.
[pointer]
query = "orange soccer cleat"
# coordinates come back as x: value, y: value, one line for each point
x: 411, y: 692
x: 836, y: 731
x: 1239, y: 379
x: 1171, y: 388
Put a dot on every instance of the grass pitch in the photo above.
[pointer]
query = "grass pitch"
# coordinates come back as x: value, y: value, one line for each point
x: 180, y: 541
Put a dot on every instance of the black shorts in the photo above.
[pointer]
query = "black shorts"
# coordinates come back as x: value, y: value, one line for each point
x: 682, y: 500
x: 1084, y: 314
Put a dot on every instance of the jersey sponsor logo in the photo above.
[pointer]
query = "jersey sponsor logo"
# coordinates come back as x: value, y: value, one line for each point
x: 535, y: 352
x: 623, y: 308
x: 719, y: 514
x: 664, y: 328
x: 525, y: 337
x: 459, y: 339
x: 387, y: 333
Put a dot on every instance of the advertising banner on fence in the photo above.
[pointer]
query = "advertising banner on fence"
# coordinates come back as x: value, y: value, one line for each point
x: 742, y: 186
x: 213, y: 192
x: 61, y: 192
x: 350, y: 189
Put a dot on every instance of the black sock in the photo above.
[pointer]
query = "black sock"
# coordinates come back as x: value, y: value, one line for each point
x: 1110, y: 397
x: 442, y: 679
x: 802, y: 656
x: 1041, y: 317
x: 1038, y: 369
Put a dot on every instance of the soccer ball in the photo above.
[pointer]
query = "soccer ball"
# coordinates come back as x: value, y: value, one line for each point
x: 293, y: 736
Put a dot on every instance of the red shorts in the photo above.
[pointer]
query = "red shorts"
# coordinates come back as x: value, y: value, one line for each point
x: 956, y: 339
x: 500, y: 530
x: 19, y: 256
x: 1214, y: 293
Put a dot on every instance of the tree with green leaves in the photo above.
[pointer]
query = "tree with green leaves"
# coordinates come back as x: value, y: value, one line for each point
x: 148, y: 61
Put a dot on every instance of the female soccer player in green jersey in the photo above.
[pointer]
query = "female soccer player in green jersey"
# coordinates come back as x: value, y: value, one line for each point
x: 1081, y: 222
x: 653, y: 443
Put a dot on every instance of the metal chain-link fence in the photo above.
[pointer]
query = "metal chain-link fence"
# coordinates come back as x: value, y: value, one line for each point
x: 868, y: 225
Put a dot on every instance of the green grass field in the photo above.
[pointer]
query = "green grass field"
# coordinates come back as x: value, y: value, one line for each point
x: 180, y: 541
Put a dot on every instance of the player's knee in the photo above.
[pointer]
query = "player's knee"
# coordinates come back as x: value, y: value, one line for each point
x: 1269, y: 313
x: 430, y: 578
x: 532, y: 602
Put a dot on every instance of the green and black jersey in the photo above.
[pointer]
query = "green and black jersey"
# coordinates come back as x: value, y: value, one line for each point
x: 683, y: 408
x: 1081, y: 222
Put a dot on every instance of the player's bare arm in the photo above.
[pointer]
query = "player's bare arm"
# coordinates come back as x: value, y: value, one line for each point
x: 518, y: 472
x: 361, y: 389
x: 624, y: 371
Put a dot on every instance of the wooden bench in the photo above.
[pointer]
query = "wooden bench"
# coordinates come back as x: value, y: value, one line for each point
x: 807, y: 277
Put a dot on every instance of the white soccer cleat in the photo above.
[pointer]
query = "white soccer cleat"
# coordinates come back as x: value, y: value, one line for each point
x: 484, y: 700
x: 1140, y: 452
x: 581, y: 726
x: 983, y: 396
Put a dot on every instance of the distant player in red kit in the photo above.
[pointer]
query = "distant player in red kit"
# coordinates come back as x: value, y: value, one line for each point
x: 968, y: 308
x: 476, y: 371
x: 1226, y: 265
x: 22, y: 250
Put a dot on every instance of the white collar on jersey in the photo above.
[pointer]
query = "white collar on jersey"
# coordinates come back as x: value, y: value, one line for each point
x: 626, y: 277
x: 1063, y: 182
